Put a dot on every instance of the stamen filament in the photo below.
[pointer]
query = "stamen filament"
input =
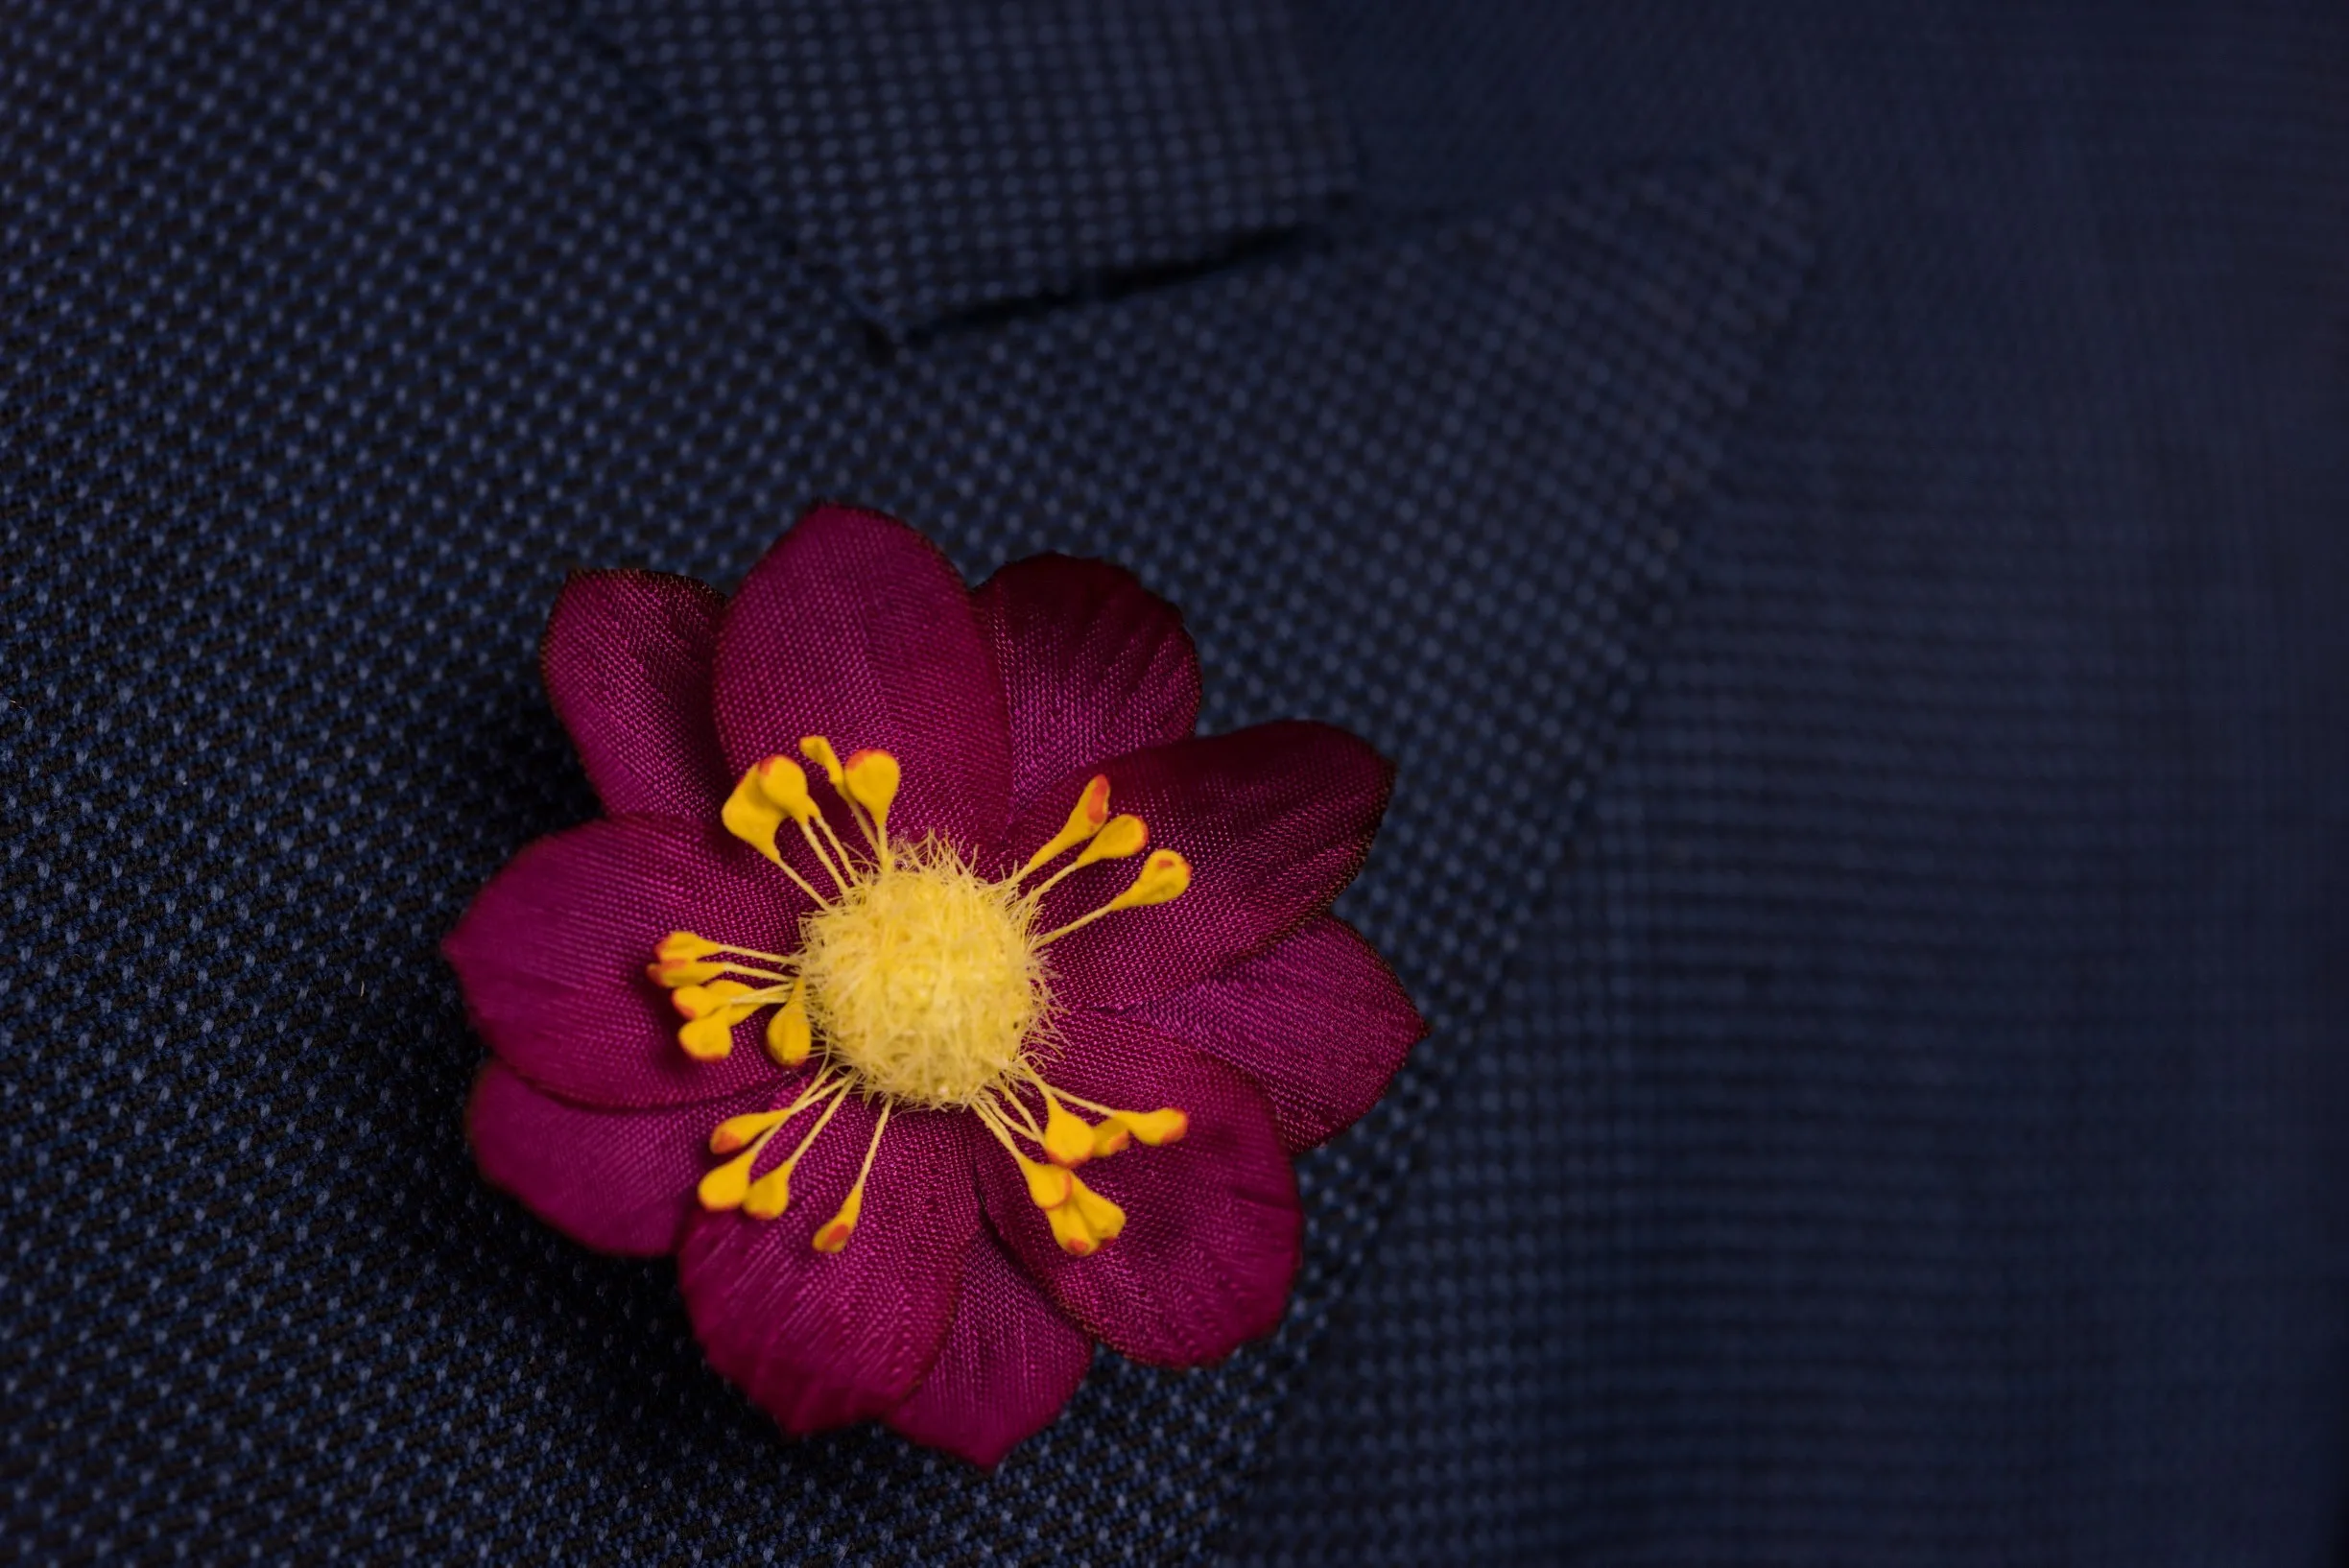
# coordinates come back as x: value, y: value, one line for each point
x: 870, y: 778
x: 826, y: 860
x: 833, y: 1233
x: 1048, y: 1186
x: 1026, y: 1122
x: 770, y: 1194
x: 1164, y: 876
x: 839, y: 848
x: 1084, y: 819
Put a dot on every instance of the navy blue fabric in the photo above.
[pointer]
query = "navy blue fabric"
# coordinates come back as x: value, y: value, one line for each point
x: 1917, y: 1133
x: 944, y: 156
x: 1888, y: 1114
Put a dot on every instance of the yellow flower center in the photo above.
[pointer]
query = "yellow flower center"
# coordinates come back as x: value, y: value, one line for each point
x: 923, y: 979
x: 921, y: 983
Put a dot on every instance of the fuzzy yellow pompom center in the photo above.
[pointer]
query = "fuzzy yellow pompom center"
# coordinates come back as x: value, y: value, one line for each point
x: 924, y: 979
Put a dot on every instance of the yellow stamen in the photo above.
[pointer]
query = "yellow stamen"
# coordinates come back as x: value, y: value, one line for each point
x: 785, y: 785
x: 734, y: 1135
x: 752, y: 814
x: 770, y: 1194
x: 1048, y: 1185
x: 1016, y: 1110
x: 675, y: 972
x: 1118, y: 837
x: 727, y: 1186
x: 1068, y: 1138
x: 1166, y: 1125
x: 1070, y: 1230
x: 870, y: 780
x: 1163, y: 877
x: 1103, y: 1218
x: 711, y: 1012
x: 752, y: 817
x: 788, y: 1035
x: 1109, y: 1137
x: 1084, y: 819
x: 1153, y: 1128
x: 687, y: 944
x: 682, y: 945
x: 703, y: 1001
x: 818, y: 750
x: 833, y: 1233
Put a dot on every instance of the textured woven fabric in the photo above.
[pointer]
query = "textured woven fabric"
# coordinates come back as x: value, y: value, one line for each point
x: 944, y: 157
x: 1916, y: 1135
x: 1890, y: 1115
x: 332, y: 341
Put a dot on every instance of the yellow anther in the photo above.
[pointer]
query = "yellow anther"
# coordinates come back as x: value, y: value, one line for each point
x: 770, y: 1194
x: 752, y: 814
x: 785, y: 785
x: 727, y: 1186
x: 1164, y: 876
x: 754, y: 817
x: 1048, y: 1185
x: 1084, y: 819
x: 1109, y: 1137
x: 818, y: 750
x: 681, y: 945
x: 1153, y: 1128
x: 1068, y: 1138
x: 1070, y: 1230
x: 736, y: 1132
x: 708, y: 1039
x: 675, y: 972
x: 716, y: 997
x: 833, y: 1233
x: 1118, y: 837
x: 870, y: 778
x: 1103, y: 1218
x: 788, y: 1035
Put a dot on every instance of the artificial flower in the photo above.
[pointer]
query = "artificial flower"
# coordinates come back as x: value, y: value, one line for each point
x: 929, y: 989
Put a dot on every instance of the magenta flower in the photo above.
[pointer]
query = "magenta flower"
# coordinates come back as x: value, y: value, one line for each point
x: 929, y: 989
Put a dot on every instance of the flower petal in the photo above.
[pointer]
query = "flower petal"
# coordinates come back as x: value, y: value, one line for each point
x: 1010, y: 1361
x: 819, y: 1340
x: 621, y: 1181
x: 1317, y: 1019
x: 1274, y: 821
x: 855, y: 628
x: 1092, y: 665
x: 627, y: 659
x: 552, y: 957
x: 1212, y: 1223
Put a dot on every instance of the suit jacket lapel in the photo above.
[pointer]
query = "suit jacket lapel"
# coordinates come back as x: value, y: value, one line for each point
x: 1432, y: 489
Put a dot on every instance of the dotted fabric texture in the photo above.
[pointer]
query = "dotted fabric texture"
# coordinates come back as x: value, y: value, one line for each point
x: 332, y: 340
x: 1916, y: 1134
x: 944, y: 156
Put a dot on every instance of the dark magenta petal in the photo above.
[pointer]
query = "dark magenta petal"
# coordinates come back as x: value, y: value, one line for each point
x: 1212, y: 1225
x: 1317, y: 1019
x: 855, y: 628
x: 627, y: 659
x: 1274, y: 821
x: 819, y: 1340
x: 552, y: 957
x: 621, y: 1181
x: 1092, y: 665
x: 1010, y: 1363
